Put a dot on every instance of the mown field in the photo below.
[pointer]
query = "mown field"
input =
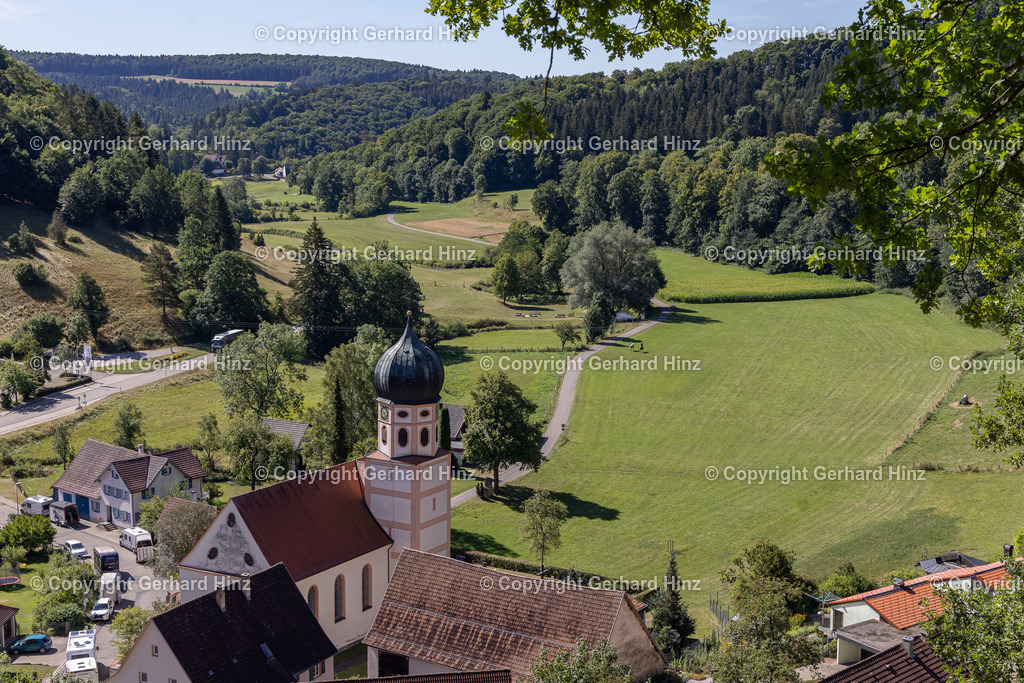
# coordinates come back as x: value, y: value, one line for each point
x: 695, y: 280
x: 804, y: 384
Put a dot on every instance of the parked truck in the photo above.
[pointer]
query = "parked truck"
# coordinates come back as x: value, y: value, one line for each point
x: 224, y: 339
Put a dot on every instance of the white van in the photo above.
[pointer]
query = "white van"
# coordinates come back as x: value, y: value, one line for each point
x: 36, y: 505
x: 136, y: 537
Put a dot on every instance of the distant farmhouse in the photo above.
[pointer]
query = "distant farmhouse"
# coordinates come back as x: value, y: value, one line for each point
x: 109, y: 483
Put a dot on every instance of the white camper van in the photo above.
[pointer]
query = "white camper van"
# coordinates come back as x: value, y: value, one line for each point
x: 83, y: 670
x: 36, y: 505
x: 81, y: 644
x: 136, y: 537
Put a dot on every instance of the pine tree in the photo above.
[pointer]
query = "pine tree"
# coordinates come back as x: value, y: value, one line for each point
x: 318, y: 285
x: 160, y: 273
x: 220, y: 223
x: 672, y: 623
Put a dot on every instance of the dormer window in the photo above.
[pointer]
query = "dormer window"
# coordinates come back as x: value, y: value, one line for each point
x: 166, y: 470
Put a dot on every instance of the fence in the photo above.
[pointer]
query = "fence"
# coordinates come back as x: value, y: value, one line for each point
x: 722, y: 614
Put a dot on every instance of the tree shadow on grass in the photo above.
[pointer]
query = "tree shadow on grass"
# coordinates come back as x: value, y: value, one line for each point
x: 514, y: 497
x: 485, y: 543
x: 688, y: 315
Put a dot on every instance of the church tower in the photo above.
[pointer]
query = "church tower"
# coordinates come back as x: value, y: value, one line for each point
x: 407, y: 479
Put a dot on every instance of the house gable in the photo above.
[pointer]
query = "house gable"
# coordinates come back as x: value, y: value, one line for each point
x: 229, y: 541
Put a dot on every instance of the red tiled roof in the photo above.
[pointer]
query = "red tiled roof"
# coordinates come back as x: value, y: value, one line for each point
x: 464, y: 617
x: 186, y: 461
x: 894, y: 665
x: 328, y: 507
x: 909, y: 605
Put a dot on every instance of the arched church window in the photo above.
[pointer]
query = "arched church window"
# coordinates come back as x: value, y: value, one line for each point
x: 403, y: 437
x: 424, y: 436
x: 367, y: 588
x: 384, y: 435
x: 311, y: 600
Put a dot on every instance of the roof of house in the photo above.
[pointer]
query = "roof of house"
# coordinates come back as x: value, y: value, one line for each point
x: 6, y: 613
x: 137, y: 473
x: 941, y: 563
x: 328, y: 507
x: 232, y: 643
x: 294, y: 431
x: 893, y: 665
x: 136, y: 469
x: 456, y: 420
x: 909, y: 605
x: 463, y: 677
x: 874, y: 636
x: 461, y: 618
x: 92, y: 458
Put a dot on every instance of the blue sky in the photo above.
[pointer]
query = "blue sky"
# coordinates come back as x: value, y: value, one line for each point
x: 193, y: 27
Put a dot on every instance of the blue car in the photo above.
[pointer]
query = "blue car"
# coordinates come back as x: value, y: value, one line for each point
x: 36, y: 642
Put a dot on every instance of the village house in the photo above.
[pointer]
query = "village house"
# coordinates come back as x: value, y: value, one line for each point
x: 109, y: 483
x: 442, y: 615
x: 912, y: 660
x: 258, y: 629
x: 868, y: 623
x: 339, y: 531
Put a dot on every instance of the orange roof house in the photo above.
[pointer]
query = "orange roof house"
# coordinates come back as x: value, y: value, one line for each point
x: 866, y: 623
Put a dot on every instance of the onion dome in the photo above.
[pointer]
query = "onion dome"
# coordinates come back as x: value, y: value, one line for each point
x: 409, y: 373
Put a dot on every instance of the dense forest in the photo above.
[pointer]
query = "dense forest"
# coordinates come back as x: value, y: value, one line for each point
x: 119, y: 78
x: 334, y: 117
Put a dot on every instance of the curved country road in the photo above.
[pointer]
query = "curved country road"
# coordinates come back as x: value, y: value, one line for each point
x: 566, y: 397
x: 104, y: 384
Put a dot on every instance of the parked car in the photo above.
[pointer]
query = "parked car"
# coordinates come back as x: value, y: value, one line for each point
x: 102, y: 610
x: 37, y: 642
x: 76, y: 549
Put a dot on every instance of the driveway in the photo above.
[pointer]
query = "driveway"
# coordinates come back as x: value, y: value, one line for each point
x: 104, y: 384
x: 140, y: 588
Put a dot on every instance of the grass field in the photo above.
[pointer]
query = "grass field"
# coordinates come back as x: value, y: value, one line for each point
x: 696, y: 280
x: 827, y: 383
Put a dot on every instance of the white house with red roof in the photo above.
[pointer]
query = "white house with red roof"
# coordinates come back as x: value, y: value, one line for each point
x: 867, y: 623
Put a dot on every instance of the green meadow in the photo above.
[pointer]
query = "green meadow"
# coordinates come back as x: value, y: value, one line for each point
x: 651, y: 455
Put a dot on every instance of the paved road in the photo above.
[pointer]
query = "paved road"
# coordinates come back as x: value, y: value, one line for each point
x: 104, y: 384
x: 140, y: 588
x: 566, y: 397
x: 392, y: 221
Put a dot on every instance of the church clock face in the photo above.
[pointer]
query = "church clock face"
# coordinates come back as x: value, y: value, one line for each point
x: 383, y: 412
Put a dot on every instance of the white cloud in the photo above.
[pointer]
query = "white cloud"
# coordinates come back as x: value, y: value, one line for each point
x: 11, y: 12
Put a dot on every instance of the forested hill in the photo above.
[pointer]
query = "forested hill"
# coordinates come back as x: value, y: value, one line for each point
x: 303, y: 71
x: 335, y: 117
x: 759, y: 93
x: 122, y: 79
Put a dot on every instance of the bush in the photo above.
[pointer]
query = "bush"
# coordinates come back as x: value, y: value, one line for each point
x: 55, y: 609
x: 150, y: 339
x: 28, y: 275
x: 259, y: 240
x: 27, y: 531
x: 487, y: 322
x: 6, y: 348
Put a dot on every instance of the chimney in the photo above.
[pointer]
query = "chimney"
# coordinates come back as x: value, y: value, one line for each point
x: 142, y: 449
x: 1008, y: 550
x: 151, y: 450
x: 897, y: 583
x: 908, y: 646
